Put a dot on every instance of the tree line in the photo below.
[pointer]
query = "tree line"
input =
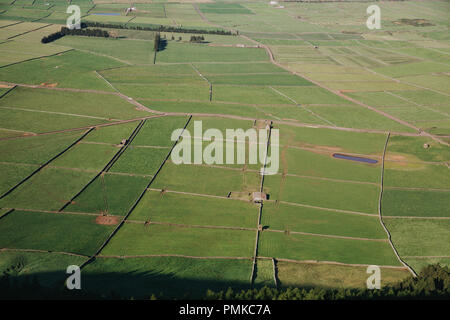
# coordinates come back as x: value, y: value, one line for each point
x: 433, y: 282
x: 160, y: 28
x: 75, y: 32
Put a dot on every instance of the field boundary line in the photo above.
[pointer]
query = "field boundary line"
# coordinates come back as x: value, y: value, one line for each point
x: 191, y: 194
x: 419, y: 218
x: 380, y: 199
x: 35, y: 58
x: 12, y: 24
x: 418, y: 189
x: 46, y: 163
x: 327, y: 235
x: 21, y: 34
x: 330, y: 262
x: 171, y: 255
x: 108, y: 239
x: 427, y: 257
x: 206, y: 79
x: 6, y: 213
x: 8, y: 91
x: 44, y: 251
x: 261, y: 189
x: 323, y: 208
x: 302, y: 106
x: 65, y: 212
x: 58, y: 113
x: 195, y: 226
x: 103, y: 78
x: 108, y: 165
x: 101, y: 125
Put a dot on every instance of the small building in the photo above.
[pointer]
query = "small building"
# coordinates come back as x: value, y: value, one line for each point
x: 259, y: 197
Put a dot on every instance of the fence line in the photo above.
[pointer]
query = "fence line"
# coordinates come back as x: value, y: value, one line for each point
x: 379, y: 211
x: 46, y: 163
x: 92, y: 258
x: 108, y: 165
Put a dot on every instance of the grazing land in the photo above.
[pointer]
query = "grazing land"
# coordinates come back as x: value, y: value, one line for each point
x: 87, y: 137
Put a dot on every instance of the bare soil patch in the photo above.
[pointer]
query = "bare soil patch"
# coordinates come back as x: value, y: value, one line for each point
x: 107, y: 220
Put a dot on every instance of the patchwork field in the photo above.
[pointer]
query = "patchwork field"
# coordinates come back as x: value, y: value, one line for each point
x: 88, y: 139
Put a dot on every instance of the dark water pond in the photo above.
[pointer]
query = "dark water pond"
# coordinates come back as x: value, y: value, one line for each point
x: 354, y: 158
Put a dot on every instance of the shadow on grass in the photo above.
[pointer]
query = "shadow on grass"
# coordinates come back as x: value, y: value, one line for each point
x: 110, y: 285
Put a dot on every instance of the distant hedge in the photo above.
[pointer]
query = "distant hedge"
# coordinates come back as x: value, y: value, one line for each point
x: 160, y: 28
x: 75, y: 32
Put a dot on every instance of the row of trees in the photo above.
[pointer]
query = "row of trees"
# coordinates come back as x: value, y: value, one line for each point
x: 433, y: 282
x: 75, y: 32
x: 160, y: 28
x: 197, y: 39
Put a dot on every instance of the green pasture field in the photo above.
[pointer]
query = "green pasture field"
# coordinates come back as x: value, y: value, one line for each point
x: 293, y: 218
x: 320, y: 193
x: 98, y: 106
x: 13, y: 174
x: 332, y: 140
x: 301, y: 247
x: 260, y: 79
x: 105, y: 195
x: 264, y: 274
x: 417, y: 176
x: 73, y: 69
x: 289, y: 113
x: 330, y: 276
x: 113, y: 134
x: 412, y: 113
x: 359, y: 117
x: 413, y: 146
x: 312, y: 95
x: 238, y: 68
x: 210, y: 108
x: 38, y: 121
x: 36, y: 35
x: 224, y: 8
x: 248, y: 94
x: 322, y: 164
x: 413, y: 203
x: 115, y: 48
x: 67, y: 233
x: 203, y: 179
x: 419, y: 263
x: 195, y: 210
x: 36, y: 149
x: 420, y: 237
x: 99, y: 155
x: 162, y: 239
x: 158, y: 131
x: 173, y: 276
x: 14, y: 30
x: 424, y: 97
x: 141, y: 74
x: 163, y: 91
x: 47, y: 268
x: 181, y: 52
x: 143, y: 161
x: 50, y: 189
